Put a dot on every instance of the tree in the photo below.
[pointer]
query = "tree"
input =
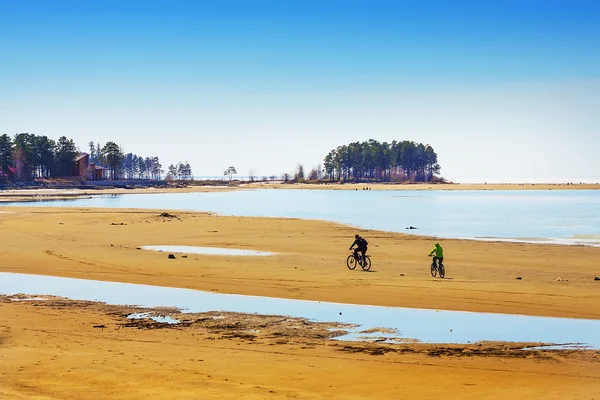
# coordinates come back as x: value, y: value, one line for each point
x: 184, y: 171
x: 156, y: 170
x: 128, y: 166
x: 25, y: 155
x: 173, y: 173
x: 380, y: 161
x: 299, y: 173
x: 141, y: 167
x: 44, y: 149
x: 313, y: 174
x: 66, y: 151
x: 229, y: 172
x: 92, y: 147
x: 328, y: 164
x: 99, y: 159
x: 18, y: 163
x: 112, y: 154
x: 6, y: 152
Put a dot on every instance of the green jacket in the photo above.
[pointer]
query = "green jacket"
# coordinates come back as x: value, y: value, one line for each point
x: 439, y: 252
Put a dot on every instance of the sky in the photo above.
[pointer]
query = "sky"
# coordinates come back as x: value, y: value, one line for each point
x: 503, y: 90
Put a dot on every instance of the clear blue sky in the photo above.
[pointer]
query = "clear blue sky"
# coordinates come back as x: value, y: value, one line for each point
x: 503, y: 90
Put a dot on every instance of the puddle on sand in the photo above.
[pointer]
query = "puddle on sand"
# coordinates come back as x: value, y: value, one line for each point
x: 213, y: 251
x: 28, y: 298
x: 157, y: 318
x: 428, y: 326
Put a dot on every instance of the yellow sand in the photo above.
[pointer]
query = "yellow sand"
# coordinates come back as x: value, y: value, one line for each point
x: 49, y: 353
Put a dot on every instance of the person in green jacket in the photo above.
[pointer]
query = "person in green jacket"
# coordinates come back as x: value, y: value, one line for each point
x: 439, y: 253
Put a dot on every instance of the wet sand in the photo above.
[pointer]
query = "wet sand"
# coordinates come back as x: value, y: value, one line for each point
x: 54, y: 351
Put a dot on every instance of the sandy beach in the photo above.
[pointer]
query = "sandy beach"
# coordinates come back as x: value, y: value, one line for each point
x: 63, y: 349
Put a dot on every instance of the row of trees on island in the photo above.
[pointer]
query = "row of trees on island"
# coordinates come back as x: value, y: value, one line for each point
x: 28, y: 156
x: 386, y: 162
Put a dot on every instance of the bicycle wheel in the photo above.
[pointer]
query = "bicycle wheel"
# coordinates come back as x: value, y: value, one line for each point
x: 442, y: 270
x: 433, y: 270
x: 366, y: 265
x: 351, y: 262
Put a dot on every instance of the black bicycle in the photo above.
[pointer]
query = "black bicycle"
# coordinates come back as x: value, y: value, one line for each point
x: 437, y: 268
x: 352, y: 261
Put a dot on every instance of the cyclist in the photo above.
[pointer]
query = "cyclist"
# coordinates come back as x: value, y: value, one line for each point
x: 439, y: 253
x: 361, y: 245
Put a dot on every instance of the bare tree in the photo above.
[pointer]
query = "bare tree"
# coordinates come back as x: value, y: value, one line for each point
x: 229, y: 172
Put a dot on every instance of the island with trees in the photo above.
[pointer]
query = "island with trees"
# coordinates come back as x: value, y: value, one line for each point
x: 404, y: 161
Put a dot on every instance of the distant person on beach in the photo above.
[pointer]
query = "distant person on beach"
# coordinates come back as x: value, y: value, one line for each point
x: 439, y: 253
x: 361, y: 245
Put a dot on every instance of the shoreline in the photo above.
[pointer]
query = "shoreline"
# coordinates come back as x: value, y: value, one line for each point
x: 58, y: 193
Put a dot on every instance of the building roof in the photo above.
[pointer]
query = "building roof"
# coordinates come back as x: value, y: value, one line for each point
x: 80, y: 156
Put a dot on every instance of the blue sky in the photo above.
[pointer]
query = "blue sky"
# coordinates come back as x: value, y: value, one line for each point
x: 503, y: 90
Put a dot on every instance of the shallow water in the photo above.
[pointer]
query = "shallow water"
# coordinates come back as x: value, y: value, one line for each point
x: 430, y: 326
x: 214, y: 251
x: 559, y: 217
x: 158, y: 318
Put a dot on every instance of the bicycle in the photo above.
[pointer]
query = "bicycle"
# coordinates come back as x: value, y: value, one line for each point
x: 437, y: 268
x: 352, y: 261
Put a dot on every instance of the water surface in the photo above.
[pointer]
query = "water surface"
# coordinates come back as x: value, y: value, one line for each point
x: 213, y: 251
x: 559, y: 217
x: 430, y: 326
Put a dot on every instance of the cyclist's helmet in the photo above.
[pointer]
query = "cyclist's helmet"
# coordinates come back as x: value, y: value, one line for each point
x: 356, y: 236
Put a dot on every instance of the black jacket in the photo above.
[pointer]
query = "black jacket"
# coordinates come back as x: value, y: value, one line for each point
x: 360, y: 243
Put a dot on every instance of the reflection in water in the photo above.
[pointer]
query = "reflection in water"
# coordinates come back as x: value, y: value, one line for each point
x: 430, y: 326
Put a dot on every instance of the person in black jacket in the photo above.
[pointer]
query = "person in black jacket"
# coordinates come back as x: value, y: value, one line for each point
x: 361, y: 245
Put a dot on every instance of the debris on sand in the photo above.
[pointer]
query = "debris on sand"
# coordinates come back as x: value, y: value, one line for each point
x: 167, y: 215
x: 172, y: 256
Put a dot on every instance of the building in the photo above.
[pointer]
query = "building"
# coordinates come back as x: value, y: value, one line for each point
x: 96, y: 173
x: 89, y: 171
x: 10, y: 174
x: 82, y: 162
